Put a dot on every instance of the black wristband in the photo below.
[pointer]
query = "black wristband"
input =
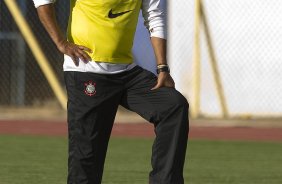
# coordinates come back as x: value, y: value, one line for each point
x: 163, y: 69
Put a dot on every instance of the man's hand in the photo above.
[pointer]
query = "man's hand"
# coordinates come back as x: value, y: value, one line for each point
x: 164, y: 80
x: 76, y: 52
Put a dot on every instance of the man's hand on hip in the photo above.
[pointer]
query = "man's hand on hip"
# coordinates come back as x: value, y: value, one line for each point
x: 164, y: 80
x: 76, y: 52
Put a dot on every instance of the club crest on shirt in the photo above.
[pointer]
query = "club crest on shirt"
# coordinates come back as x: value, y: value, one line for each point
x: 90, y: 88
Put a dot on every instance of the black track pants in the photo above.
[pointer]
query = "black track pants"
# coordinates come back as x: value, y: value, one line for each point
x: 93, y: 100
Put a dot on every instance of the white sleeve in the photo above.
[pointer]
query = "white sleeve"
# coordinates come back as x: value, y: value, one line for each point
x: 154, y: 17
x: 38, y: 3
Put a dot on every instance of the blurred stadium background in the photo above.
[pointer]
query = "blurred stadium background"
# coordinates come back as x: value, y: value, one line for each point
x: 246, y: 38
x: 245, y: 42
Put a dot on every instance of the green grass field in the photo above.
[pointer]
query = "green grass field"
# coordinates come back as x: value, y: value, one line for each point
x: 42, y: 160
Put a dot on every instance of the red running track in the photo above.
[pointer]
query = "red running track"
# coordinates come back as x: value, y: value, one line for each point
x: 47, y: 128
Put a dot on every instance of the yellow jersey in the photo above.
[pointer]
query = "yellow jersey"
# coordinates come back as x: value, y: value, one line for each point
x: 107, y: 27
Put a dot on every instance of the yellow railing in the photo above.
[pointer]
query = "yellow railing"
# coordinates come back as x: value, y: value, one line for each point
x: 200, y: 17
x: 37, y: 52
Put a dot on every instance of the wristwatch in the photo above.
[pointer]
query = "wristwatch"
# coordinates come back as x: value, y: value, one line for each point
x: 162, y: 68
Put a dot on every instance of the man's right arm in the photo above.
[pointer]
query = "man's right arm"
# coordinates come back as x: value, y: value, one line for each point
x: 47, y: 17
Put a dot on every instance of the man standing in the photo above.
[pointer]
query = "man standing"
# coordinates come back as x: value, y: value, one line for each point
x: 100, y: 75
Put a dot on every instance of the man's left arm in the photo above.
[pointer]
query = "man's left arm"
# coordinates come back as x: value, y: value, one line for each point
x: 164, y: 78
x: 156, y: 24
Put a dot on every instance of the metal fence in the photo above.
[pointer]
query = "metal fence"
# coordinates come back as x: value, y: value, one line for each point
x: 21, y: 80
x: 247, y: 43
x: 246, y: 39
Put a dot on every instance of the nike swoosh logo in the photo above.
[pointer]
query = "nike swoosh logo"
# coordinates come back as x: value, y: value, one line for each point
x: 115, y: 15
